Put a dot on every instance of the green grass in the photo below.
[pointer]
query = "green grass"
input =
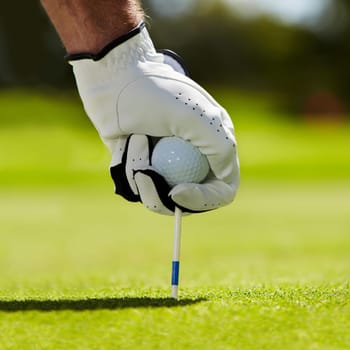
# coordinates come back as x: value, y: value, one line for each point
x: 82, y: 269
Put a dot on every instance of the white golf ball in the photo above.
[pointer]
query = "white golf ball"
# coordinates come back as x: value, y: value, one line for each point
x: 178, y: 161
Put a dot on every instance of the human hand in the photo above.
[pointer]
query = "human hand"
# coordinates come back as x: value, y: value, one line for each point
x: 135, y: 95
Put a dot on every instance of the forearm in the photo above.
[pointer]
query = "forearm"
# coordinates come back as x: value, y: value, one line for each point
x: 89, y: 25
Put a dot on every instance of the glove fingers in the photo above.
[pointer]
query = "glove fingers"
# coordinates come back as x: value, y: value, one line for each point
x: 154, y: 191
x: 176, y: 106
x: 210, y: 195
x: 129, y: 154
x: 117, y: 148
x: 137, y: 156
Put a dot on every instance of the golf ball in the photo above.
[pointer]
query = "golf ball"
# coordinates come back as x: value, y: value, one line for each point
x: 178, y: 161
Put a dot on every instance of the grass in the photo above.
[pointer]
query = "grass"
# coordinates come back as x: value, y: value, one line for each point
x: 82, y: 269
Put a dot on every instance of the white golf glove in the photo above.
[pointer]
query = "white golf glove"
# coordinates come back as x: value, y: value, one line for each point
x: 135, y: 95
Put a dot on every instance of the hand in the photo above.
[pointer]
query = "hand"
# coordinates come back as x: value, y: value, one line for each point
x: 135, y: 95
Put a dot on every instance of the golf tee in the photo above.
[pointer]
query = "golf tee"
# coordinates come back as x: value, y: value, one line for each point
x: 176, y: 254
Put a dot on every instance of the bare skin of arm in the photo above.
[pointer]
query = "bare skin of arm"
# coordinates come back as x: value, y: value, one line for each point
x: 86, y: 26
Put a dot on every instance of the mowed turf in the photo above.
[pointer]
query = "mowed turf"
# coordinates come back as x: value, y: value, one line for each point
x: 82, y: 269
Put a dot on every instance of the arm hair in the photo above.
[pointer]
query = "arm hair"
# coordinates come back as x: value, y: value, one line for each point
x: 89, y: 25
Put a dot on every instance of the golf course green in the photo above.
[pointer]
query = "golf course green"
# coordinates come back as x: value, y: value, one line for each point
x: 81, y: 268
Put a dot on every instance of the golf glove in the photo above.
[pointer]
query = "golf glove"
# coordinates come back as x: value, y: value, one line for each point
x: 135, y: 95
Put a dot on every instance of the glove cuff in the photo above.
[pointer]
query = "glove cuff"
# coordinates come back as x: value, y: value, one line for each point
x: 115, y: 65
x: 113, y: 44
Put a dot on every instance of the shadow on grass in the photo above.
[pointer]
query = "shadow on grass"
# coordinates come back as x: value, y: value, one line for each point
x: 93, y: 304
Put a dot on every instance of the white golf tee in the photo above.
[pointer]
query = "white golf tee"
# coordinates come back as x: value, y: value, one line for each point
x: 176, y: 254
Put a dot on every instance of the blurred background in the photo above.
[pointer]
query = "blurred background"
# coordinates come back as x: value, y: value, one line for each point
x: 297, y: 49
x: 281, y: 68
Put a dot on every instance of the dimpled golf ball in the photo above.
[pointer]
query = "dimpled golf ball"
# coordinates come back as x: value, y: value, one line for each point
x: 178, y: 161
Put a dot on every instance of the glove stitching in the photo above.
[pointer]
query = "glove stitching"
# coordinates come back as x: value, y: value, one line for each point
x: 202, y: 114
x: 200, y: 90
x: 143, y: 51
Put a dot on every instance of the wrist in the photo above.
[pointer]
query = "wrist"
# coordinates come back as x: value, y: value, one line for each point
x: 106, y: 48
x: 88, y: 26
x: 97, y: 39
